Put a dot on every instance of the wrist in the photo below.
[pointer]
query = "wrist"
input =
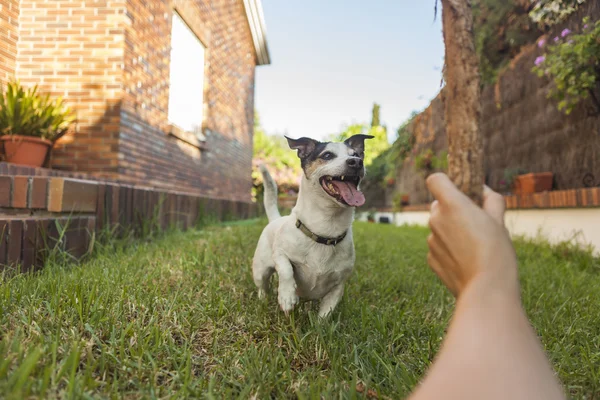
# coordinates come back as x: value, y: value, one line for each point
x: 487, y: 289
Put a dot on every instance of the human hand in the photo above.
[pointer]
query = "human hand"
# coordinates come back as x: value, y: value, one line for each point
x: 469, y: 246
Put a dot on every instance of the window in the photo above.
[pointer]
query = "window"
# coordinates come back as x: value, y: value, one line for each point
x: 186, y: 78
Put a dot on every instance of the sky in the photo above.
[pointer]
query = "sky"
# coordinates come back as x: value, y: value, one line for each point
x: 332, y: 59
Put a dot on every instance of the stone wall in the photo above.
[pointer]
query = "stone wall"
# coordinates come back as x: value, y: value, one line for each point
x: 521, y: 128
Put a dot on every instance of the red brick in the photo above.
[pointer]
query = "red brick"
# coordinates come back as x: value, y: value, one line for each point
x: 20, y: 192
x: 3, y: 241
x: 15, y: 241
x: 29, y: 244
x: 114, y: 210
x: 5, y: 190
x: 71, y: 195
x: 101, y: 216
x: 38, y: 194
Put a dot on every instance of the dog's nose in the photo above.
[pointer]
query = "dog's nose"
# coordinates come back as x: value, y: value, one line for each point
x: 354, y: 162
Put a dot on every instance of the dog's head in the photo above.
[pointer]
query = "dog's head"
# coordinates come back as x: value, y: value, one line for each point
x: 332, y: 169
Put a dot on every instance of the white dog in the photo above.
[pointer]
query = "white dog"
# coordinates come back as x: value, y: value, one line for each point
x: 312, y: 249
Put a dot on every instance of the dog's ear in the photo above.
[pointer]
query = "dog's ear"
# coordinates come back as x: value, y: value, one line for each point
x: 357, y: 142
x: 304, y: 145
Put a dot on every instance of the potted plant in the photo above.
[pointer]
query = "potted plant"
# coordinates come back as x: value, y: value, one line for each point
x: 506, y: 184
x: 404, y: 199
x: 30, y: 123
x: 371, y: 216
x: 533, y: 183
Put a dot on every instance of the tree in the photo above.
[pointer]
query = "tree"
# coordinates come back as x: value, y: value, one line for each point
x: 375, y: 115
x: 274, y: 152
x: 462, y: 99
x: 374, y: 146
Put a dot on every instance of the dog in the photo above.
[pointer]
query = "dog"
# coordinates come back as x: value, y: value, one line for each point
x: 312, y: 249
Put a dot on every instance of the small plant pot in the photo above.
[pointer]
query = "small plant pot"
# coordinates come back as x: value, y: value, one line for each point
x: 405, y: 200
x: 25, y: 150
x: 533, y: 183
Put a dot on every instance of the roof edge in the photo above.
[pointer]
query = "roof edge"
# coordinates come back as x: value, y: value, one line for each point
x: 256, y: 21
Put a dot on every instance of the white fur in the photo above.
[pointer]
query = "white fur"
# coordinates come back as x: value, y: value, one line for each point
x: 305, y: 268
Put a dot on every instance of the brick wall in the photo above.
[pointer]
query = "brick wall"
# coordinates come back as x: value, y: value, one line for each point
x: 9, y: 25
x: 75, y: 49
x: 110, y: 60
x: 148, y: 154
x: 36, y: 204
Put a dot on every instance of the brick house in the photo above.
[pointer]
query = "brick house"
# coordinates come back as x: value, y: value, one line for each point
x: 163, y: 89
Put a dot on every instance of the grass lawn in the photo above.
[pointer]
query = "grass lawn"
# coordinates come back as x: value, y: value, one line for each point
x: 179, y: 317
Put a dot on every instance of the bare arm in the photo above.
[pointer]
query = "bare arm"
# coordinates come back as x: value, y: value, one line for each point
x: 490, y: 350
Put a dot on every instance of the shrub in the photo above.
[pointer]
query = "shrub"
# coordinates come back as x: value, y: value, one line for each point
x: 572, y: 61
x: 550, y: 12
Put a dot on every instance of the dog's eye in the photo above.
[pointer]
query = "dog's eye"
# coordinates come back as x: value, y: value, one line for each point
x: 327, y: 155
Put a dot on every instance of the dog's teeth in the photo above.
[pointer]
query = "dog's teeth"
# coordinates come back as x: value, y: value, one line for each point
x: 343, y: 177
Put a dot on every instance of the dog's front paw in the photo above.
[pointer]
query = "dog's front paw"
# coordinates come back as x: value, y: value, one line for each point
x: 287, y: 298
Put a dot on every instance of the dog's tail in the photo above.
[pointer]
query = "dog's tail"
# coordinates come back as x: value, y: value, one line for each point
x: 270, y: 189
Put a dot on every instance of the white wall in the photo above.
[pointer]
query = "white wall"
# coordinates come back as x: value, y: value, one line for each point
x: 556, y: 225
x: 581, y: 225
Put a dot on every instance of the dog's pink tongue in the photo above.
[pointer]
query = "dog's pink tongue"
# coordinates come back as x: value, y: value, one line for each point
x: 352, y: 196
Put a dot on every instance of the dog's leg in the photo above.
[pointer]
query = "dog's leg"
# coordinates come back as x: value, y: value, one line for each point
x: 331, y: 300
x: 262, y: 277
x: 263, y: 267
x: 287, y: 296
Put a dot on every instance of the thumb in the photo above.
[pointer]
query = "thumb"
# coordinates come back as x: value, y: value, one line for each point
x: 493, y: 204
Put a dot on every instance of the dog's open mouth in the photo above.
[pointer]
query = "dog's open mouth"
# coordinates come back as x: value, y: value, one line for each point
x: 344, y: 189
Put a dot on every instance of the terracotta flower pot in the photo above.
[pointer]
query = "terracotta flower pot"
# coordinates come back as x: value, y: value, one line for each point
x: 533, y: 183
x: 25, y: 150
x: 405, y: 200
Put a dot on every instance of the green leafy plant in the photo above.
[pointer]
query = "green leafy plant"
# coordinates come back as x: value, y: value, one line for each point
x: 427, y: 162
x: 405, y: 140
x: 397, y: 202
x: 424, y: 161
x: 274, y: 152
x: 550, y: 12
x: 501, y: 28
x: 371, y: 215
x: 440, y: 162
x: 509, y: 176
x: 572, y: 61
x: 29, y: 113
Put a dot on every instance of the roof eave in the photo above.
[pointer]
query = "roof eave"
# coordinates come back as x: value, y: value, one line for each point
x: 256, y: 21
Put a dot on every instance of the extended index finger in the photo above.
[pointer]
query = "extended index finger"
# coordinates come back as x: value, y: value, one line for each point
x: 444, y: 190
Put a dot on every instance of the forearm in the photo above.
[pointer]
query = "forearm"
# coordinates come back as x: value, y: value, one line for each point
x: 490, y: 352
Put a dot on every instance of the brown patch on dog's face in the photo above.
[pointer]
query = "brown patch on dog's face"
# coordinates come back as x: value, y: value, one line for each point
x: 316, y: 160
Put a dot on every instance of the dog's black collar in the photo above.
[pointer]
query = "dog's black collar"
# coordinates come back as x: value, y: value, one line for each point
x: 317, y: 238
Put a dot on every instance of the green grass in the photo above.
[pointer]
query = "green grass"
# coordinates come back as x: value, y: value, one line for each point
x: 179, y: 317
